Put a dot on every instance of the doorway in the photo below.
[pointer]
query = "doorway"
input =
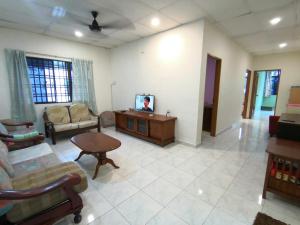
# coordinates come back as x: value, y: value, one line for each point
x: 247, y: 80
x: 265, y: 93
x: 211, y: 94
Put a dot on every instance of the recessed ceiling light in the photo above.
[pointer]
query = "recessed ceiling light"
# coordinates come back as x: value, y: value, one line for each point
x: 282, y: 45
x: 78, y: 33
x: 155, y: 21
x: 58, y: 11
x: 275, y: 20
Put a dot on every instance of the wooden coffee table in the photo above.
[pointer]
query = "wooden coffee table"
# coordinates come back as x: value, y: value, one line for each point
x: 96, y: 144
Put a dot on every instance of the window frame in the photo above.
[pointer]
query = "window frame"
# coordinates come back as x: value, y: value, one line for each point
x: 54, y: 94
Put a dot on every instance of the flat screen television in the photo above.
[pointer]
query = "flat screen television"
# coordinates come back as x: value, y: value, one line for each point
x: 144, y: 103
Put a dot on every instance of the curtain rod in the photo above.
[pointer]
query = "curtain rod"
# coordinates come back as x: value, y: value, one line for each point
x: 50, y: 56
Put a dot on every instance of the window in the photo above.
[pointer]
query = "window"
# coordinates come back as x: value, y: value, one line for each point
x: 51, y: 80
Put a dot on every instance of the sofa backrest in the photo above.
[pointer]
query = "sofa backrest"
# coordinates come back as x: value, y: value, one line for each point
x: 58, y: 114
x: 79, y: 112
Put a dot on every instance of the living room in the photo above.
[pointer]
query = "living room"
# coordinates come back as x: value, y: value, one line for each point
x: 170, y: 171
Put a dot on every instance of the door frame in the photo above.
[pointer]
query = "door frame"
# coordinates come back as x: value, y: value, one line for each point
x: 254, y: 86
x: 214, y: 117
x: 246, y: 97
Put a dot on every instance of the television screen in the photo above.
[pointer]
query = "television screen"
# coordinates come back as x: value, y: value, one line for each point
x: 144, y: 103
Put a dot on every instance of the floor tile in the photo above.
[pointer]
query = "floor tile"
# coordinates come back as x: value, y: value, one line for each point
x: 139, y: 209
x: 158, y: 168
x: 114, y: 188
x: 166, y: 218
x: 162, y: 191
x: 205, y: 191
x: 178, y: 178
x: 141, y: 178
x: 194, y: 169
x: 219, y: 217
x: 217, y: 178
x: 192, y: 210
x: 111, y: 218
x: 244, y: 211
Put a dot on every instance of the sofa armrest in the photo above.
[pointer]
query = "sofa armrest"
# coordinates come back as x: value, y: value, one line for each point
x: 17, y: 124
x: 66, y: 182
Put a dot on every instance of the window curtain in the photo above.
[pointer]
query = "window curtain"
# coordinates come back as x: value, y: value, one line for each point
x: 22, y: 106
x: 83, y: 83
x: 268, y: 85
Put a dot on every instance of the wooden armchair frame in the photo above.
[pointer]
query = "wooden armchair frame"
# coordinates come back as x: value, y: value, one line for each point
x: 73, y: 204
x: 14, y: 144
x: 50, y: 130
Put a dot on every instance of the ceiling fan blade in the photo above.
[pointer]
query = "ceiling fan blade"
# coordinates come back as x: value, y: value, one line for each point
x: 119, y: 24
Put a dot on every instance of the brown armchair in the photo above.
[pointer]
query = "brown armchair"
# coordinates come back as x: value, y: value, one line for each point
x: 71, y: 205
x: 13, y: 144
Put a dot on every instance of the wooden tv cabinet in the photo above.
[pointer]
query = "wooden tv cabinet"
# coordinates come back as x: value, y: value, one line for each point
x: 158, y: 129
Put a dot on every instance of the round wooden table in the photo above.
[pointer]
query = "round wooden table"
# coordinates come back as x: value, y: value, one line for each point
x: 96, y: 144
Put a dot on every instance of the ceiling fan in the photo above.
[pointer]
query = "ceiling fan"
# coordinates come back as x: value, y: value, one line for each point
x: 97, y: 27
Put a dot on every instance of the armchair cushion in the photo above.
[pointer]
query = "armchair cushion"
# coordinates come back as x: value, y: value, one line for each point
x: 3, y: 129
x: 79, y: 112
x: 58, y: 114
x: 25, y: 135
x: 63, y: 127
x: 28, y: 207
x: 5, y: 184
x: 4, y: 162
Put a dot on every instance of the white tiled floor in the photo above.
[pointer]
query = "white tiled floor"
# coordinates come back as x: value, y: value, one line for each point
x: 218, y: 183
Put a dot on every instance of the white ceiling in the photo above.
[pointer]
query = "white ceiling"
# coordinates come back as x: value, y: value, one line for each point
x: 246, y: 21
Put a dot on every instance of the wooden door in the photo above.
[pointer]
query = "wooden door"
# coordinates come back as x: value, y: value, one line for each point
x: 253, y: 96
x: 246, y: 97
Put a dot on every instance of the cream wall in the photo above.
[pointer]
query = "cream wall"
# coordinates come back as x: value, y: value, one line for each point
x: 51, y: 46
x: 289, y: 63
x: 235, y: 62
x: 166, y: 65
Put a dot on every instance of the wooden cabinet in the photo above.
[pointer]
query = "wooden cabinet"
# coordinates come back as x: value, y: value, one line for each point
x: 155, y: 128
x: 283, y: 169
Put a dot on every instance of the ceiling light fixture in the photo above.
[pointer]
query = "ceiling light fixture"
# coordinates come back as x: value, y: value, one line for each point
x: 58, y: 11
x: 78, y: 33
x: 155, y: 21
x: 275, y: 20
x: 282, y: 45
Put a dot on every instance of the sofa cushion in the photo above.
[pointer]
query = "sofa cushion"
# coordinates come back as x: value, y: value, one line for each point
x: 5, y: 184
x: 79, y: 112
x: 3, y: 129
x: 87, y: 123
x: 26, y: 208
x: 29, y: 153
x: 33, y: 158
x: 58, y: 114
x: 5, y: 163
x: 63, y: 127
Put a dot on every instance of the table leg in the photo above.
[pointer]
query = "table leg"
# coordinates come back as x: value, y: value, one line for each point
x: 97, y: 168
x: 80, y: 154
x: 111, y: 162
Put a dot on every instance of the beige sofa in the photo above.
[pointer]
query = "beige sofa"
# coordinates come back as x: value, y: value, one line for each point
x: 69, y: 119
x: 37, y: 188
